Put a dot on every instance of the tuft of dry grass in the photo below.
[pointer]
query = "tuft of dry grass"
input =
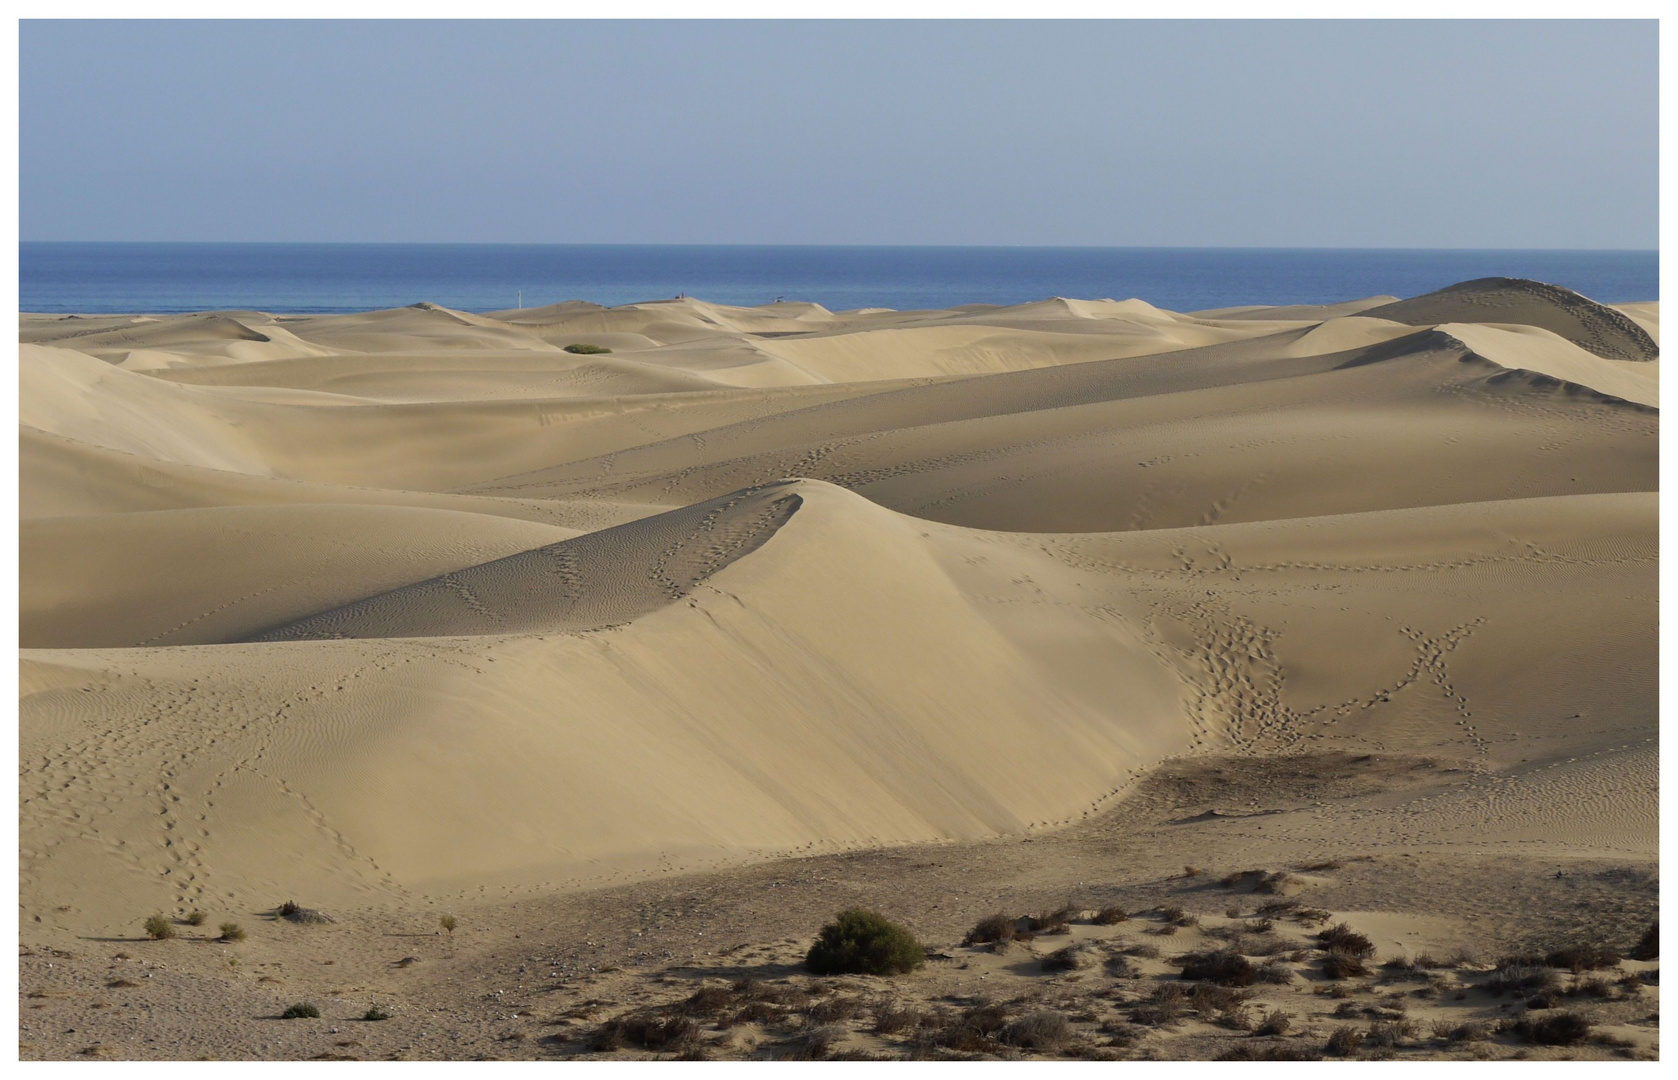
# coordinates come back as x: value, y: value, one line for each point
x: 1110, y: 915
x: 231, y: 931
x: 158, y: 928
x: 1577, y: 958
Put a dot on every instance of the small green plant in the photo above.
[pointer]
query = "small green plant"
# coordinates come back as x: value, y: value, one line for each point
x: 862, y: 942
x: 375, y: 1013
x: 301, y: 1011
x: 231, y: 931
x: 196, y: 918
x: 448, y: 922
x: 158, y: 928
x: 583, y: 349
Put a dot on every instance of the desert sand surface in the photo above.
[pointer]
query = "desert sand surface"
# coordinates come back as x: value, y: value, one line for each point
x: 1156, y: 634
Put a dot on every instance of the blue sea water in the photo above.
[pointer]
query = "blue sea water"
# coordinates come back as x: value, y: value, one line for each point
x: 295, y: 278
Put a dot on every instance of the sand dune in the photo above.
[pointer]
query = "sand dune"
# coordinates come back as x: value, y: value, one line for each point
x: 387, y: 610
x: 1594, y: 327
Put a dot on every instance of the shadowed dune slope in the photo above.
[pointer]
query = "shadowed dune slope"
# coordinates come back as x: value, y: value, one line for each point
x: 597, y: 580
x: 1594, y: 327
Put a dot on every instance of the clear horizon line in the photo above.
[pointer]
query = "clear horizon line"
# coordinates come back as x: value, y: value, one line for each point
x: 904, y: 247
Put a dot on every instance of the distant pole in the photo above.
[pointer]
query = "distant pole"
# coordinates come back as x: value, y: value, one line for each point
x: 521, y: 299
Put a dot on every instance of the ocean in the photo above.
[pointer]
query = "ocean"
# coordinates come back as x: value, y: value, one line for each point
x: 156, y: 278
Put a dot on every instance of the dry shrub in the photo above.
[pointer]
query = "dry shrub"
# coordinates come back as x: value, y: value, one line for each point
x: 1275, y: 1022
x: 1341, y: 938
x: 1592, y: 988
x: 1343, y: 966
x: 196, y: 918
x: 991, y: 928
x: 1054, y: 922
x: 1258, y: 926
x: 159, y: 929
x: 1120, y: 967
x: 706, y: 1001
x: 1517, y: 974
x: 813, y: 1045
x: 1460, y: 1033
x: 1274, y: 972
x: 1164, y: 1006
x: 1224, y: 968
x: 1344, y: 1042
x: 1071, y: 958
x: 1560, y: 1029
x: 1044, y: 1031
x: 1177, y: 916
x: 1649, y: 946
x: 1326, y: 864
x: 894, y: 1019
x: 1110, y: 915
x: 835, y: 1009
x: 1271, y: 1051
x: 1143, y: 950
x: 648, y: 1030
x: 1577, y: 958
x: 1389, y: 1033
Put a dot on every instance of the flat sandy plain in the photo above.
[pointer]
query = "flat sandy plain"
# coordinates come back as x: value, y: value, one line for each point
x: 642, y: 664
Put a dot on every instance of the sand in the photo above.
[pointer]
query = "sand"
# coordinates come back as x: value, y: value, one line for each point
x: 941, y: 612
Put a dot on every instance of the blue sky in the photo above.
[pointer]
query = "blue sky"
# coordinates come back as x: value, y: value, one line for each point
x: 1311, y: 134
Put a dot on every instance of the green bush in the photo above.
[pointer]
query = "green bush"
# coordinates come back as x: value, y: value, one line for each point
x: 301, y: 1011
x: 196, y: 918
x: 863, y: 943
x: 158, y: 928
x: 375, y: 1013
x: 232, y: 931
x: 582, y: 349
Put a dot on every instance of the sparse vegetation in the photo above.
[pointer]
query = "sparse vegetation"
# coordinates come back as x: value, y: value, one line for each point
x: 1110, y: 915
x: 584, y: 349
x: 159, y: 928
x: 196, y: 918
x: 862, y: 942
x: 374, y: 1014
x: 448, y: 922
x: 1577, y: 958
x: 231, y: 931
x: 1276, y: 1022
x: 303, y: 1010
